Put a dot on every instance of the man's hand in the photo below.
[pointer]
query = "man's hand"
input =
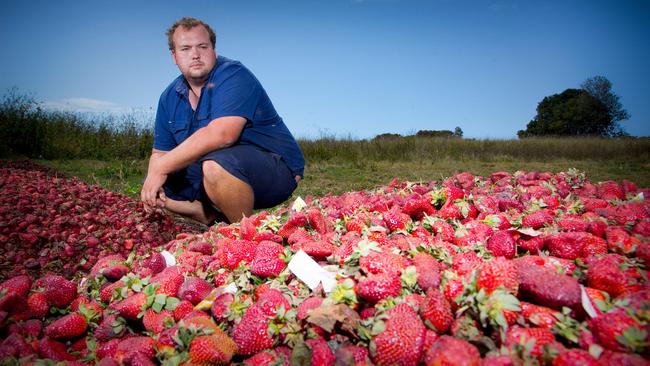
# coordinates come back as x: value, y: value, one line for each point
x: 152, y: 193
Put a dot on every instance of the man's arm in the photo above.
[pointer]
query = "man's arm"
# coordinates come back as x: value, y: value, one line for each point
x: 218, y: 134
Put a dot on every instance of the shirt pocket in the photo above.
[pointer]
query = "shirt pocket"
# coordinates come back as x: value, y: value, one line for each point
x: 180, y: 129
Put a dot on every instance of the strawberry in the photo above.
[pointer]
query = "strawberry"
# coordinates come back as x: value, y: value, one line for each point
x: 54, y: 350
x: 537, y: 315
x: 59, y: 292
x: 14, y: 345
x: 37, y: 305
x: 418, y: 206
x: 448, y: 350
x: 295, y: 221
x: 307, y: 305
x: 156, y: 322
x: 404, y: 331
x: 68, y: 326
x: 321, y: 353
x: 597, y: 228
x: 318, y: 249
x: 233, y: 252
x: 428, y: 271
x: 267, y: 261
x: 502, y: 244
x: 377, y: 287
x: 32, y: 328
x: 247, y: 229
x: 107, y: 349
x: 202, y: 247
x: 497, y: 272
x: 156, y: 262
x: 213, y: 349
x: 610, y: 190
x: 251, y: 334
x: 396, y: 220
x: 131, y: 307
x: 458, y: 210
x: 570, y: 245
x: 537, y: 219
x: 115, y: 272
x: 169, y: 281
x: 618, y: 331
x: 194, y: 289
x: 539, y: 337
x: 573, y: 224
x: 110, y: 327
x: 436, y: 312
x: 575, y: 357
x: 382, y: 262
x: 613, y: 274
x: 128, y: 347
x: 619, y: 241
x: 541, y: 285
x: 318, y: 222
x: 182, y: 309
x: 19, y: 285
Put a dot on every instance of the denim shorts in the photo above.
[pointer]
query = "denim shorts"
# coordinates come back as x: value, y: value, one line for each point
x: 267, y: 174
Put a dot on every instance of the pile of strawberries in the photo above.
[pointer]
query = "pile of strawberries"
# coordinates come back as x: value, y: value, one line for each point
x: 510, y: 269
x: 50, y: 223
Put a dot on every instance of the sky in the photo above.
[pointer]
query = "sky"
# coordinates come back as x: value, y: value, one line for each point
x: 341, y: 68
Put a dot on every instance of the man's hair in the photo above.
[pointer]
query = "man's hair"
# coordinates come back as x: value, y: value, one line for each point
x: 189, y: 23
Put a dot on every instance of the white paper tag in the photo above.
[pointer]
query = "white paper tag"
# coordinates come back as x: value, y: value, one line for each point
x: 170, y: 260
x: 231, y: 288
x: 586, y: 303
x: 310, y: 272
x: 299, y: 204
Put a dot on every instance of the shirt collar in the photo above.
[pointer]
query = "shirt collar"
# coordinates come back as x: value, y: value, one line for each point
x: 183, y: 88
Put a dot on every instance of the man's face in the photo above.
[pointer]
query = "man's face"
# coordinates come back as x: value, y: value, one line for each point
x: 193, y: 53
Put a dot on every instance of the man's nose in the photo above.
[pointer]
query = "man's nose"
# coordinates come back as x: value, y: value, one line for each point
x: 195, y: 52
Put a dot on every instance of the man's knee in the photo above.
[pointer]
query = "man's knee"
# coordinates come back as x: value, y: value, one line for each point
x: 213, y: 173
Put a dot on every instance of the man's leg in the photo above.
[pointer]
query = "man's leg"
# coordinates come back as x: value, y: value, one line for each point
x: 192, y: 209
x: 230, y: 195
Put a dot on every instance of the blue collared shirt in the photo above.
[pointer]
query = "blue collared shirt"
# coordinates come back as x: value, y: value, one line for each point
x: 231, y: 90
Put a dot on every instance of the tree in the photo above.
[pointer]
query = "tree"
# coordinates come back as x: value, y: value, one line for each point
x: 458, y: 132
x: 593, y: 110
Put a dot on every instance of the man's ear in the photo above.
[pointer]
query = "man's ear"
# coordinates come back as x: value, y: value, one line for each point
x: 173, y: 56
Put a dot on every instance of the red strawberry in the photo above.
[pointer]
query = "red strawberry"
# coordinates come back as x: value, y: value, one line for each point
x: 404, y: 331
x: 107, y: 291
x: 115, y: 272
x: 213, y: 349
x: 110, y: 327
x: 575, y: 245
x: 247, y: 229
x: 32, y: 328
x: 619, y: 358
x: 575, y: 357
x: 448, y: 350
x: 251, y: 333
x: 202, y: 247
x: 613, y: 274
x: 318, y: 221
x: 436, y: 312
x: 573, y: 224
x: 610, y: 190
x: 382, y: 262
x: 377, y: 287
x: 395, y: 220
x: 537, y: 219
x: 157, y: 321
x: 497, y: 272
x: 295, y: 221
x: 182, y: 309
x: 37, y: 304
x: 619, y: 241
x: 168, y: 281
x: 129, y: 347
x: 132, y: 306
x: 618, y: 331
x: 517, y: 335
x: 307, y: 305
x: 318, y: 249
x: 502, y: 244
x: 321, y: 353
x: 19, y: 285
x: 428, y: 271
x: 54, y: 350
x: 267, y: 261
x: 14, y: 345
x: 59, y: 292
x: 194, y: 289
x: 232, y: 253
x: 68, y: 326
x: 597, y: 228
x: 541, y: 285
x: 156, y: 262
x: 540, y: 316
x: 458, y: 210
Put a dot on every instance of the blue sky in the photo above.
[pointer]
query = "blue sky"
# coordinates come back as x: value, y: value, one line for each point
x: 344, y: 68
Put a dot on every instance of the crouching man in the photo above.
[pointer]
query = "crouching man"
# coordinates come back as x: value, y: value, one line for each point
x: 220, y: 148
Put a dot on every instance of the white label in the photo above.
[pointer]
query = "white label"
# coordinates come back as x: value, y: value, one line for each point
x: 170, y: 260
x: 310, y: 272
x: 299, y: 204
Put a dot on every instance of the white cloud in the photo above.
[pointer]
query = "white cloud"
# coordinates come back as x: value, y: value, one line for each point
x: 85, y: 105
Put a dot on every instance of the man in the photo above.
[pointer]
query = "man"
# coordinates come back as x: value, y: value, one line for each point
x: 219, y: 145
